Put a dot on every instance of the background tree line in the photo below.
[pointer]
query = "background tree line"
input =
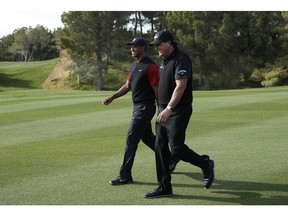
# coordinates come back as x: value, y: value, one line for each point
x: 228, y: 49
x: 28, y: 44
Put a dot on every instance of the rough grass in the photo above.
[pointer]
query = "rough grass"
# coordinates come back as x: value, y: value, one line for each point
x: 62, y: 148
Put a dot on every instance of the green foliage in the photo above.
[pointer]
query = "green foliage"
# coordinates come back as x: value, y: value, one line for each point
x: 32, y: 44
x: 276, y: 77
x: 116, y: 74
x: 229, y: 45
x: 156, y: 19
x: 257, y: 75
x: 89, y: 36
x: 5, y: 43
x: 86, y: 82
x: 273, y: 74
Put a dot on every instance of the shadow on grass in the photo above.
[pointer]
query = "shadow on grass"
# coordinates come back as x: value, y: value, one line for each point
x: 241, y: 192
x: 8, y: 81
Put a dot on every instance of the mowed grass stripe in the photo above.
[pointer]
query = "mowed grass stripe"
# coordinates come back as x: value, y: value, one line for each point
x: 69, y: 124
x: 44, y: 103
x: 22, y: 104
x: 204, y: 122
x: 51, y: 155
x: 247, y: 142
x: 240, y: 146
x: 88, y: 183
x: 10, y: 97
x: 214, y: 101
x: 48, y: 112
x: 36, y: 109
x: 250, y: 162
x: 62, y: 126
x: 63, y: 187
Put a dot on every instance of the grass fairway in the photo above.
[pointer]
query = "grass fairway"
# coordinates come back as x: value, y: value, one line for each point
x: 62, y: 147
x: 24, y: 75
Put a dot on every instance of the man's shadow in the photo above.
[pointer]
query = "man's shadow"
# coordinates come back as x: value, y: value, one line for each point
x: 245, y: 193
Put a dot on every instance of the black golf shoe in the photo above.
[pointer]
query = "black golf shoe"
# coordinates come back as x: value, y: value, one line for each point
x: 209, y: 175
x: 158, y: 193
x: 173, y: 164
x: 121, y: 181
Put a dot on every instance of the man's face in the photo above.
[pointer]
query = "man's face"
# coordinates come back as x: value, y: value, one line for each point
x: 137, y: 51
x: 163, y: 48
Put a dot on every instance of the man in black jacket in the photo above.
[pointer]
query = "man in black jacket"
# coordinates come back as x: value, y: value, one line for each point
x: 175, y: 109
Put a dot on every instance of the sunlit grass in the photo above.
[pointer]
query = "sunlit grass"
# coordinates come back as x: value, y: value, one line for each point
x: 62, y: 147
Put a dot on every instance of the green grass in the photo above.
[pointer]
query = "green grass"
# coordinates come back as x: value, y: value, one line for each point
x: 62, y: 147
x: 24, y: 75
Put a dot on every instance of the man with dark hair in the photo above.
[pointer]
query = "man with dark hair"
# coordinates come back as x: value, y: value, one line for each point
x: 143, y: 80
x: 175, y: 109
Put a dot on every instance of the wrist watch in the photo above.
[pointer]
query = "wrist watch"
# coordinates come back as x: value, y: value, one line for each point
x: 169, y: 108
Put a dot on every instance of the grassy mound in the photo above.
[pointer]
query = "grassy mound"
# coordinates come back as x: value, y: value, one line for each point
x: 25, y: 75
x: 54, y: 74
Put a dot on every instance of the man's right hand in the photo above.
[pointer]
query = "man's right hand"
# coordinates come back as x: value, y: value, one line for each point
x: 107, y: 101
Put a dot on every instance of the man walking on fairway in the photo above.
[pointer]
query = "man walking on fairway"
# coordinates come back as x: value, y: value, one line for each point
x: 175, y: 109
x: 143, y: 80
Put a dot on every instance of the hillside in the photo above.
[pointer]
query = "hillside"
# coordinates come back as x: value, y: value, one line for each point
x: 57, y: 78
x: 53, y: 74
x: 25, y: 75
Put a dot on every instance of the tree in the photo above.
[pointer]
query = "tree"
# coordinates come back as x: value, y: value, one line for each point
x: 39, y: 38
x: 156, y: 19
x: 21, y: 44
x: 226, y: 46
x: 137, y: 20
x: 160, y: 21
x: 33, y: 43
x: 88, y: 35
x: 197, y: 32
x: 250, y: 40
x: 283, y: 35
x: 42, y: 43
x: 150, y: 15
x: 5, y: 43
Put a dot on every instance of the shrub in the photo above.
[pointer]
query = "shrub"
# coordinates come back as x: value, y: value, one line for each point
x: 276, y: 77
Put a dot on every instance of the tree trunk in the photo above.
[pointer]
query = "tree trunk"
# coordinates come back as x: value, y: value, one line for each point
x: 140, y: 23
x: 108, y: 56
x: 207, y: 83
x: 100, y: 72
x: 30, y: 57
x: 136, y: 23
x: 200, y: 79
x: 25, y: 56
x: 78, y: 78
x: 152, y: 26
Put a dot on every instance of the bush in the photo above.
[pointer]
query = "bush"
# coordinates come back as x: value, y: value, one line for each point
x: 276, y: 77
x: 115, y: 74
x: 224, y: 81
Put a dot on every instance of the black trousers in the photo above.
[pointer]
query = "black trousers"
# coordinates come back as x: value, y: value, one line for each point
x: 139, y: 129
x: 171, y: 134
